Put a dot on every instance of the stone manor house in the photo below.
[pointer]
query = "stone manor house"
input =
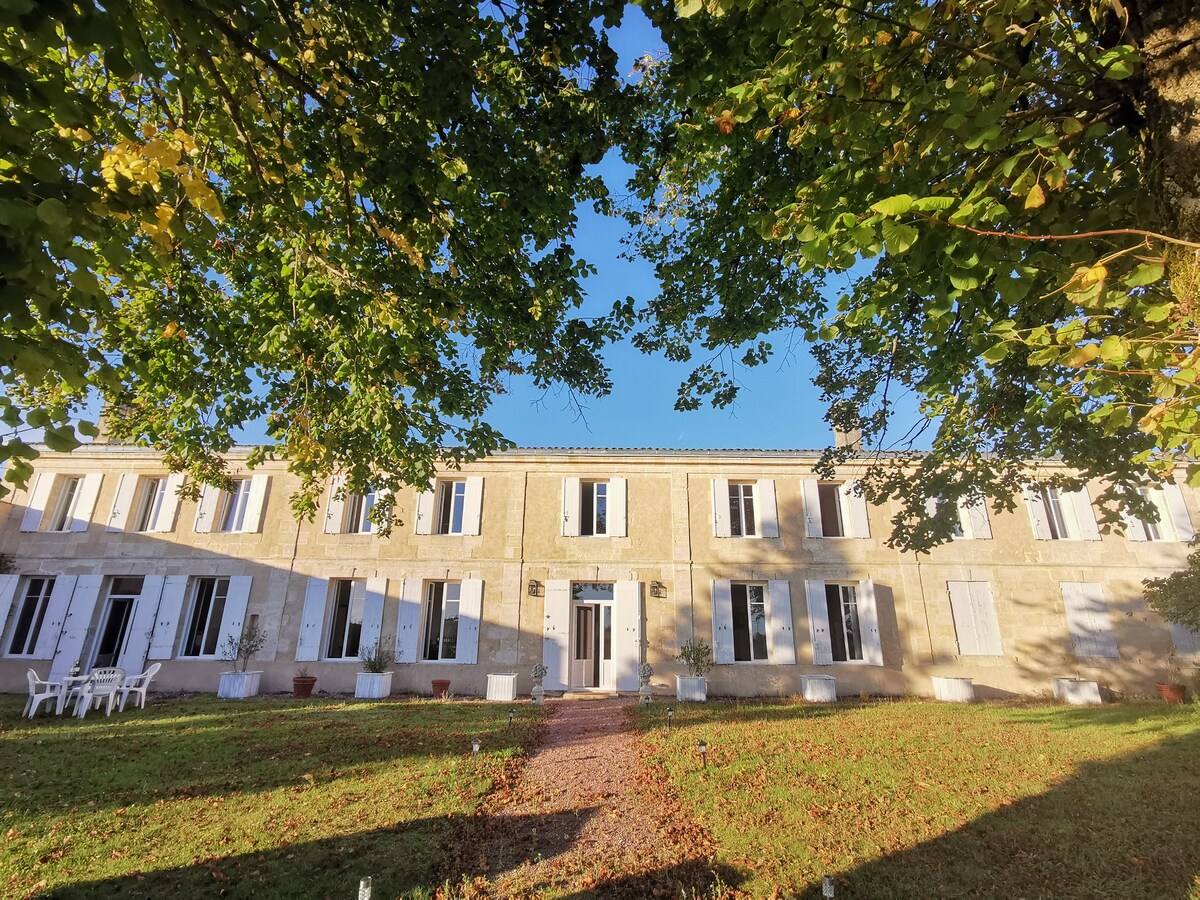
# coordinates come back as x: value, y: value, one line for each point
x: 590, y: 561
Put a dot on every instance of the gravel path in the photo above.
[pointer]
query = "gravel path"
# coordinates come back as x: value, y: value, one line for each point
x: 585, y: 819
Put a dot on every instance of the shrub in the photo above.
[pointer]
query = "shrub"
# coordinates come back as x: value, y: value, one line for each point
x: 697, y: 656
x: 377, y: 659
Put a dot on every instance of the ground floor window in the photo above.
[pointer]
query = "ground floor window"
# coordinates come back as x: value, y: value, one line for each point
x: 27, y: 625
x: 346, y: 619
x: 749, y: 622
x: 204, y: 618
x: 441, y: 620
x: 844, y: 632
x: 122, y: 594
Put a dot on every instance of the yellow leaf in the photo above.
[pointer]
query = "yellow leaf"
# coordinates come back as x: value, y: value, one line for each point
x: 1094, y: 275
x: 1035, y: 198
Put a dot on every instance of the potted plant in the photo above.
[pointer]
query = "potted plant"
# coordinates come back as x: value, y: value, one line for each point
x: 697, y: 657
x: 240, y: 684
x: 539, y: 693
x: 302, y: 684
x: 375, y: 680
x: 1172, y: 688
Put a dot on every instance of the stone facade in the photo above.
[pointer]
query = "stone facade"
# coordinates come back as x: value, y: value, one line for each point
x: 1002, y: 605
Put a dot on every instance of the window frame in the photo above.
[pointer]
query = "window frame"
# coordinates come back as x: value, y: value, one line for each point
x: 1056, y: 521
x: 65, y: 503
x: 591, y: 519
x: 234, y: 505
x: 213, y: 618
x: 441, y: 589
x: 838, y: 505
x: 336, y: 586
x: 743, y: 509
x: 837, y: 624
x: 152, y: 494
x: 37, y: 617
x: 356, y: 514
x: 747, y: 603
x: 451, y: 494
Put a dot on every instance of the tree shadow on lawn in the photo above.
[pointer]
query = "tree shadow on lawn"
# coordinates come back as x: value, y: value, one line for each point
x: 405, y: 861
x: 198, y: 748
x: 1117, y: 828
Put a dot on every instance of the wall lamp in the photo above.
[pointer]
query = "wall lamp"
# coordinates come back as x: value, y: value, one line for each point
x: 658, y: 589
x: 535, y: 588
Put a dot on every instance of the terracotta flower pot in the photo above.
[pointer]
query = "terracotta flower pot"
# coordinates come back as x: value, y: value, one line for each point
x: 441, y: 687
x: 302, y: 686
x: 1172, y: 693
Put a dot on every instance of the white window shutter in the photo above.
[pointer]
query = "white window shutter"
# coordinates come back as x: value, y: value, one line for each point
x: 987, y: 628
x: 1103, y: 639
x: 75, y: 627
x: 85, y: 503
x: 8, y: 593
x: 812, y: 508
x: 766, y: 508
x: 1178, y: 512
x: 1186, y: 641
x: 57, y: 607
x: 855, y: 508
x: 868, y: 623
x: 1037, y: 514
x: 556, y: 634
x: 781, y: 638
x: 141, y: 625
x: 473, y: 505
x: 1085, y: 515
x: 964, y: 617
x: 618, y: 507
x: 372, y: 622
x: 206, y: 509
x: 470, y: 614
x: 931, y: 506
x: 335, y: 505
x: 408, y: 622
x: 170, y: 503
x: 256, y: 501
x: 570, y: 507
x: 722, y: 622
x: 234, y: 617
x: 166, y: 622
x: 312, y: 620
x: 1075, y: 608
x: 974, y: 515
x: 627, y: 634
x: 118, y: 519
x: 1135, y: 529
x: 720, y: 507
x: 818, y: 623
x: 425, y: 506
x: 43, y: 483
x: 1087, y: 620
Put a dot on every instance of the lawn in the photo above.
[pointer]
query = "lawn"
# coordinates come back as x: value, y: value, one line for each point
x: 917, y: 799
x: 240, y: 799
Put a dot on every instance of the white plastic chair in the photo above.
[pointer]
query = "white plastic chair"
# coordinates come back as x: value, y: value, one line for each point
x: 104, y: 684
x: 38, y: 691
x: 138, y: 684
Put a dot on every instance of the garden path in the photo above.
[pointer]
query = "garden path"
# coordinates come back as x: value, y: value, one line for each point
x: 586, y: 817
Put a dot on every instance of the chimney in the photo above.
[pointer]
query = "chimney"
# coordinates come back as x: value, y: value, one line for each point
x: 851, y: 439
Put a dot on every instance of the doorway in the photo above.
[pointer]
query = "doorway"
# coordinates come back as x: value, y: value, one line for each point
x: 592, y: 636
x: 114, y: 623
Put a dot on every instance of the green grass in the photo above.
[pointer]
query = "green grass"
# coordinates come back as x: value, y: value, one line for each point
x: 256, y: 798
x: 917, y: 799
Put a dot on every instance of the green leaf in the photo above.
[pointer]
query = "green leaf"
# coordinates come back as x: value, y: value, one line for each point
x: 688, y: 8
x: 893, y: 206
x: 933, y: 204
x: 898, y: 237
x: 54, y: 213
x: 1145, y: 273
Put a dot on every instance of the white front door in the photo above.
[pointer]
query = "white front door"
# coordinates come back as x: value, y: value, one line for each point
x: 592, y: 645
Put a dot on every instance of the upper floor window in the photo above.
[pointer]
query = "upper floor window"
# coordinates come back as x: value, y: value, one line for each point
x: 150, y: 505
x: 357, y: 518
x: 70, y: 499
x: 834, y: 509
x: 744, y: 508
x: 969, y: 520
x: 31, y: 612
x: 593, y: 507
x: 1059, y: 515
x: 237, y: 511
x: 234, y: 505
x: 145, y: 503
x: 452, y: 506
x: 1174, y: 521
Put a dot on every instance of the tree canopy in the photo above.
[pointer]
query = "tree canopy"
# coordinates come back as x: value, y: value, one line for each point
x: 1011, y: 190
x: 352, y: 218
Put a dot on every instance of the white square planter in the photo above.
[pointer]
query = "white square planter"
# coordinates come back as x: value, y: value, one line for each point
x: 502, y: 686
x: 689, y: 687
x: 1077, y: 691
x: 819, y: 688
x: 373, y: 685
x: 953, y: 690
x: 238, y: 685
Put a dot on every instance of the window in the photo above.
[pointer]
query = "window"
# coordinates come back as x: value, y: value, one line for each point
x: 441, y: 620
x: 1087, y: 620
x: 30, y: 615
x: 122, y: 594
x: 204, y: 621
x: 1061, y: 515
x: 346, y: 619
x: 1174, y: 521
x: 741, y: 508
x: 841, y: 601
x: 832, y: 523
x: 593, y: 508
x: 1052, y: 505
x: 834, y: 509
x: 356, y: 519
x: 234, y: 506
x: 451, y: 506
x: 749, y: 623
x: 64, y: 510
x: 974, y: 614
x: 150, y: 504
